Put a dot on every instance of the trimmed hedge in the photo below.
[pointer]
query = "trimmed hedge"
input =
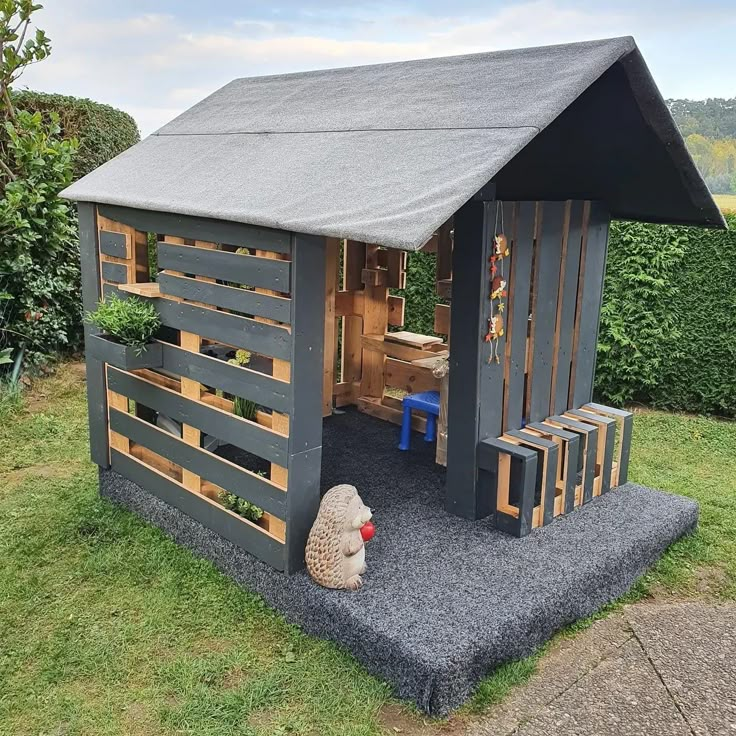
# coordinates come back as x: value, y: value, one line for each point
x: 668, y: 327
x: 102, y: 131
x: 668, y: 323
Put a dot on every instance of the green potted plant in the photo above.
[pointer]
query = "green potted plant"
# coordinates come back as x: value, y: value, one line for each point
x: 127, y: 326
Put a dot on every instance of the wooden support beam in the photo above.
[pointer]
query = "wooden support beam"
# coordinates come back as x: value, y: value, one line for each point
x: 476, y: 385
x: 332, y: 264
x: 375, y: 322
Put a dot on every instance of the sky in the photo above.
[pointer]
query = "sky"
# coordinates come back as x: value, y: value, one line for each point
x: 156, y: 59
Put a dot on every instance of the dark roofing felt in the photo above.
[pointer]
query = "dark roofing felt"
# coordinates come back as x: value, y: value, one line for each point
x: 386, y: 153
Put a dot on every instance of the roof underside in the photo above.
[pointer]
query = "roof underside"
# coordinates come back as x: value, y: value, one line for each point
x: 385, y: 154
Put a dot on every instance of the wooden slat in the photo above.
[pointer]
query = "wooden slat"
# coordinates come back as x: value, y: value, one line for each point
x: 231, y: 329
x: 256, y: 271
x: 223, y: 473
x: 160, y: 463
x: 268, y: 444
x: 442, y: 319
x: 396, y: 310
x: 240, y: 300
x: 238, y: 530
x: 200, y: 228
x: 625, y: 420
x: 412, y: 339
x: 119, y: 402
x: 149, y: 290
x: 354, y: 262
x: 281, y: 371
x: 543, y: 317
x: 566, y: 304
x: 522, y: 247
x: 409, y: 377
x: 116, y: 273
x: 387, y: 410
x: 232, y: 379
x: 396, y: 268
x: 379, y: 344
x: 375, y: 322
x: 114, y: 242
x: 592, y: 274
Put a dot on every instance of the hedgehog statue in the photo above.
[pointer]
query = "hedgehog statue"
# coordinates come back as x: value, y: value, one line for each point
x: 335, y: 552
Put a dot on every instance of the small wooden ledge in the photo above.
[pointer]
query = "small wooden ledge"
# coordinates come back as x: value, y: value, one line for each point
x: 150, y: 289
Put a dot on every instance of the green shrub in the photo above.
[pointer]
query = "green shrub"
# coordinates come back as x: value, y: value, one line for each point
x: 102, y: 131
x: 39, y: 271
x: 131, y: 321
x: 668, y: 324
x: 420, y: 293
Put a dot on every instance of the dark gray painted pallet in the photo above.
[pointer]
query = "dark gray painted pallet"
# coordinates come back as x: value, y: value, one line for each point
x: 205, y: 464
x: 307, y: 365
x: 566, y: 326
x: 256, y: 271
x: 245, y: 301
x: 548, y: 481
x: 233, y: 379
x: 519, y: 287
x: 592, y: 294
x: 113, y: 244
x: 216, y: 422
x: 123, y: 356
x: 589, y: 437
x: 571, y: 444
x: 96, y: 391
x: 115, y: 272
x: 524, y: 477
x: 200, y: 228
x: 627, y: 421
x: 549, y: 251
x: 210, y: 514
x: 228, y: 328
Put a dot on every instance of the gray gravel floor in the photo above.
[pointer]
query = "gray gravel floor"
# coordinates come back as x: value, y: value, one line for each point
x: 445, y: 600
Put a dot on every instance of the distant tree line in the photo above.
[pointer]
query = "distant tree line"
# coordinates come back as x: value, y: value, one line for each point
x: 709, y: 128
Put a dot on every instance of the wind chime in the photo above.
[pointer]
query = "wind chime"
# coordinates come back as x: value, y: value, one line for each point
x: 498, y: 290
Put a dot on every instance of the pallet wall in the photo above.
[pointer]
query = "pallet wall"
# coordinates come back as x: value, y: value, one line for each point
x: 221, y: 287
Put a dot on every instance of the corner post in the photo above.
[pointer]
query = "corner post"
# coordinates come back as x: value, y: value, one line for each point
x: 476, y: 386
x: 96, y: 383
x: 307, y: 366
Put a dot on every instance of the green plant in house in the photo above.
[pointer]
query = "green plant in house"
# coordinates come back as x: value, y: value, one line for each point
x: 131, y: 321
x: 244, y: 408
x: 240, y: 506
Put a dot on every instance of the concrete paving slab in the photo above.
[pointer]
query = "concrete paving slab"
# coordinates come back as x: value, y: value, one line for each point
x: 693, y: 648
x: 622, y: 696
x: 568, y: 661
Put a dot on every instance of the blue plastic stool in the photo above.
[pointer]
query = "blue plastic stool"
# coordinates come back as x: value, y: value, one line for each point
x: 426, y: 401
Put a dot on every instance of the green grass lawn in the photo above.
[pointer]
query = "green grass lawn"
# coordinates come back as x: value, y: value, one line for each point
x: 107, y: 627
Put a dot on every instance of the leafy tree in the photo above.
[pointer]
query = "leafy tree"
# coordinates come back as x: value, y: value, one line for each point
x: 39, y: 272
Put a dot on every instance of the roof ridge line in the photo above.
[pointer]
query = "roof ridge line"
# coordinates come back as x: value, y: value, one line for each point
x: 347, y: 130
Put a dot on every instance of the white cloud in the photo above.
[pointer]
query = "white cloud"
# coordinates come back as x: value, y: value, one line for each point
x: 156, y: 65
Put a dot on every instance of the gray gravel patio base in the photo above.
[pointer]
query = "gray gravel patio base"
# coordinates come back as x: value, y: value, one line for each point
x: 445, y: 600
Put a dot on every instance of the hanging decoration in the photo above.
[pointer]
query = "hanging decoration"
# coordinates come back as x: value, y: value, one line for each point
x: 498, y: 284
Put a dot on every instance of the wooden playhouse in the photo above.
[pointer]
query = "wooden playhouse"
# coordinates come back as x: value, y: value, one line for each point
x: 276, y: 216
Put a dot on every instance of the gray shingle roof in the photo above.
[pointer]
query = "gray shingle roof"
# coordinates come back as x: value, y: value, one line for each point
x: 386, y: 153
